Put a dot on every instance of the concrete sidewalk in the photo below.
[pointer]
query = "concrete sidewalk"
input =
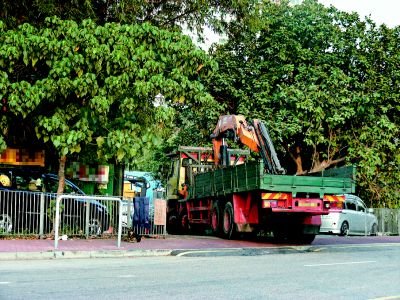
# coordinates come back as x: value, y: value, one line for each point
x: 18, y: 249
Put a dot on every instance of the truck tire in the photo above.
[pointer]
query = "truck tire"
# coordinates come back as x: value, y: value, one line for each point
x: 184, y: 226
x: 216, y: 219
x: 228, y: 224
x: 305, y: 239
x: 280, y: 235
x: 172, y: 224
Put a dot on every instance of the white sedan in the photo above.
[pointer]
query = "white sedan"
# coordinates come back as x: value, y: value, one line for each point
x: 355, y: 219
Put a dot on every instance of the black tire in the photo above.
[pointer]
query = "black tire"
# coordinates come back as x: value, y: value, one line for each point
x: 228, y: 224
x: 172, y: 224
x: 344, y: 229
x: 216, y: 219
x: 374, y: 229
x: 305, y: 239
x: 280, y: 235
x: 296, y: 235
x: 184, y: 227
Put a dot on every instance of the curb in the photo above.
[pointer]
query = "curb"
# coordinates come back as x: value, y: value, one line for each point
x: 194, y: 252
x: 68, y: 254
x: 81, y: 254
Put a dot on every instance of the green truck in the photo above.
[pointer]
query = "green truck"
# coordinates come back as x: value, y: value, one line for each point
x: 220, y: 188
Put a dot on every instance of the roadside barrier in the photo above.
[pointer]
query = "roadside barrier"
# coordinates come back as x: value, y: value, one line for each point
x: 388, y: 220
x: 24, y: 213
x: 144, y: 219
x: 97, y: 219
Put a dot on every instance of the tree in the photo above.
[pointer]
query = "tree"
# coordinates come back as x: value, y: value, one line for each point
x: 83, y: 86
x: 168, y: 14
x: 326, y: 84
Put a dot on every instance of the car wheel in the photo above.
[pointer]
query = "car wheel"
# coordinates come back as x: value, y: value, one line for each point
x: 95, y: 227
x: 374, y: 229
x: 344, y: 229
x: 6, y: 224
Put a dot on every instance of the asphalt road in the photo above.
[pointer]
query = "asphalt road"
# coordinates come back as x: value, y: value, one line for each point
x: 346, y: 272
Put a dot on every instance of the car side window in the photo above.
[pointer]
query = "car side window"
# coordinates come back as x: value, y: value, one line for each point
x: 360, y: 207
x: 351, y: 206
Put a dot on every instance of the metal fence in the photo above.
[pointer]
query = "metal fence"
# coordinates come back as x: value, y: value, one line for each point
x: 388, y: 220
x: 99, y: 213
x: 33, y: 214
x: 142, y: 222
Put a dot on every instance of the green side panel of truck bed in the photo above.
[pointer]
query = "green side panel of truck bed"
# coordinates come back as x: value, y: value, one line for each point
x: 251, y: 177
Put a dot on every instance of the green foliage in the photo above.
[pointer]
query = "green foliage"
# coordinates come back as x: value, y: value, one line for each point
x: 326, y: 84
x: 85, y: 87
x: 168, y: 14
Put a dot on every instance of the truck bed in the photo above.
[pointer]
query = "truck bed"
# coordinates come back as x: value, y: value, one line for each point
x: 251, y: 177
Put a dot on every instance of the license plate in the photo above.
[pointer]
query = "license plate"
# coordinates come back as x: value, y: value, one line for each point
x: 307, y: 204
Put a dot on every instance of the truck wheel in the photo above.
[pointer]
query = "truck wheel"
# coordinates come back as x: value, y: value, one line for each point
x: 280, y: 235
x: 184, y: 223
x: 228, y: 226
x: 172, y: 224
x: 305, y: 238
x: 216, y: 219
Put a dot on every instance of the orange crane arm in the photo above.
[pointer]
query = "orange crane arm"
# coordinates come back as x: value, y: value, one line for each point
x: 255, y: 136
x: 236, y: 127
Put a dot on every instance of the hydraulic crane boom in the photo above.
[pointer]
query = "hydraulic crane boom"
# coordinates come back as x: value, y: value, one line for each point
x: 254, y: 136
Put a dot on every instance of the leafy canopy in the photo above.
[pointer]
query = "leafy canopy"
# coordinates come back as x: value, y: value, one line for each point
x: 87, y: 86
x: 326, y: 83
x: 168, y: 14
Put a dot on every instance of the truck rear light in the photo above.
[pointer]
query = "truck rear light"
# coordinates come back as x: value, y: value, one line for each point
x: 327, y: 204
x: 336, y: 201
x: 337, y: 205
x: 269, y: 203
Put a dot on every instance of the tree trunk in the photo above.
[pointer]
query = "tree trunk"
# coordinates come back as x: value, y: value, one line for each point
x: 320, y: 166
x: 61, y: 175
x: 60, y: 189
x: 297, y: 160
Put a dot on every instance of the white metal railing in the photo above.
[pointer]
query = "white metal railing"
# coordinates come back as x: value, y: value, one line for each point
x: 152, y: 224
x: 89, y: 200
x: 24, y: 213
x: 388, y: 220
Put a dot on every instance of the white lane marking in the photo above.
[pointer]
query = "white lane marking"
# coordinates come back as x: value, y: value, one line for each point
x: 126, y: 276
x: 5, y: 282
x: 387, y: 298
x: 342, y: 263
x: 365, y: 246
